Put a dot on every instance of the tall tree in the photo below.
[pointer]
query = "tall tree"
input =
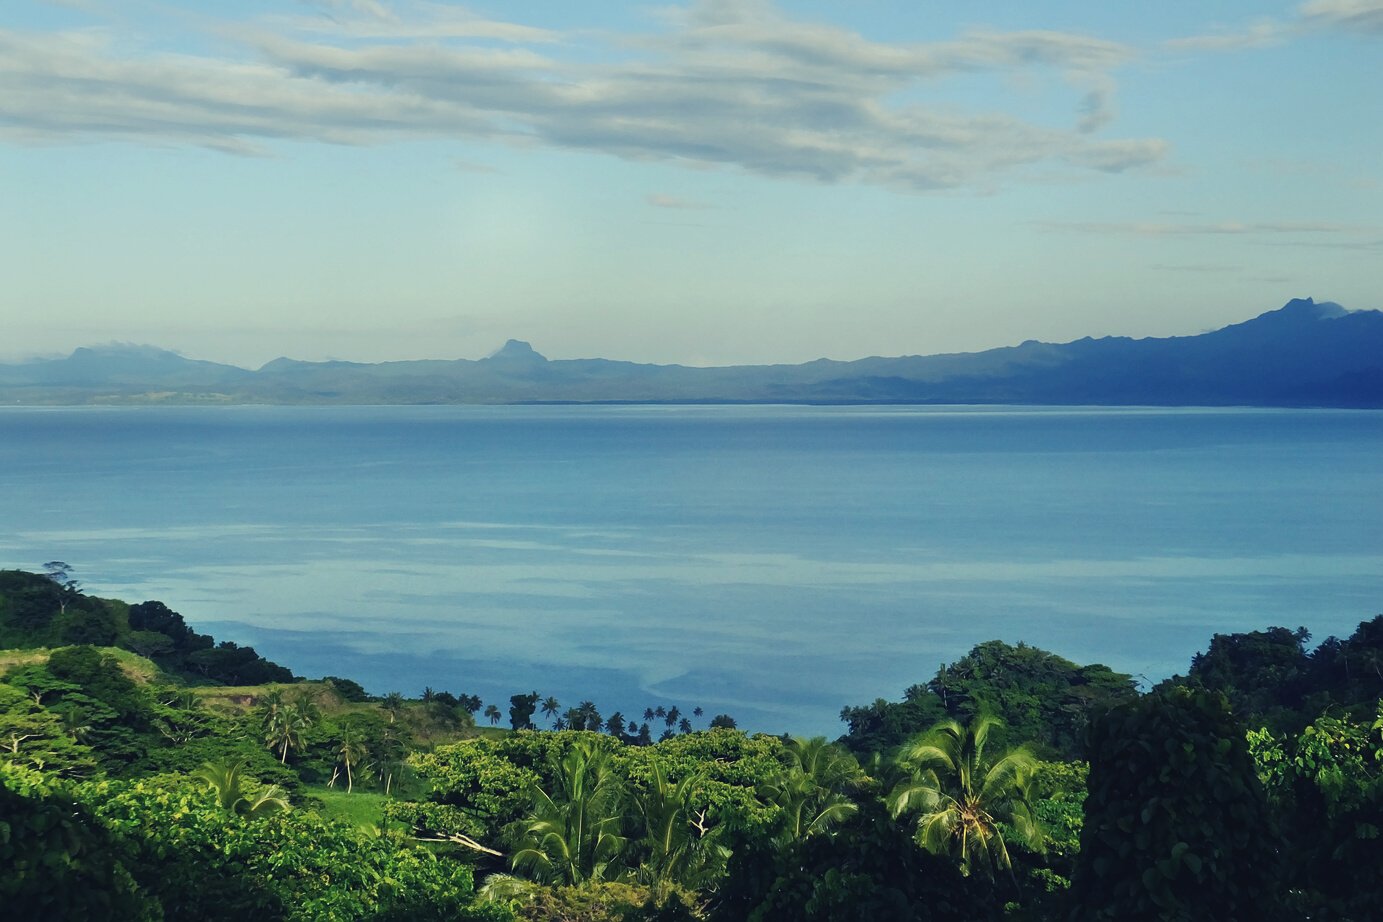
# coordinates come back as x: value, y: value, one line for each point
x: 585, y: 717
x: 61, y: 575
x: 551, y: 706
x: 351, y: 750
x: 284, y: 722
x: 962, y: 794
x: 521, y: 708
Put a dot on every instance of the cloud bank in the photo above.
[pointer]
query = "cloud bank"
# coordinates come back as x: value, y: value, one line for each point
x: 717, y: 84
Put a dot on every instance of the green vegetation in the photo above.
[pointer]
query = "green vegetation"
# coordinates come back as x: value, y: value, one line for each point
x: 966, y: 797
x: 139, y: 780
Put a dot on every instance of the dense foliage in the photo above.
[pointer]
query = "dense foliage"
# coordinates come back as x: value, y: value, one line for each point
x: 1176, y: 823
x: 136, y: 784
x: 1042, y: 698
x: 1271, y: 679
x: 47, y: 610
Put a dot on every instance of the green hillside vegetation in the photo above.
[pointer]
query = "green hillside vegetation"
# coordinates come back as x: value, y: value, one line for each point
x: 141, y: 780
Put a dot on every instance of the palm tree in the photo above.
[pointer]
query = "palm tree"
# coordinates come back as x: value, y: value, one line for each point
x: 393, y: 704
x: 572, y: 835
x: 492, y: 712
x: 615, y: 724
x: 670, y: 718
x: 392, y: 754
x: 350, y: 750
x: 648, y: 714
x: 284, y: 722
x: 812, y: 789
x: 588, y: 718
x: 962, y: 794
x: 550, y: 706
x: 684, y: 726
x: 227, y: 782
x: 680, y: 846
x: 697, y: 712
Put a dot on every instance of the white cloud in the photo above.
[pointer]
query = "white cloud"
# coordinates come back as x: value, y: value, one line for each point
x: 724, y: 84
x: 1358, y: 16
x: 671, y: 201
x: 1163, y: 229
x: 1264, y: 33
x: 1365, y: 16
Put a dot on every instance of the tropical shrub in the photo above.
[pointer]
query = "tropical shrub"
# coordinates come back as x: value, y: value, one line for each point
x: 1176, y: 823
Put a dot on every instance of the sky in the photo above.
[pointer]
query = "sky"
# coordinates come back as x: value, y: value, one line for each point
x: 709, y: 183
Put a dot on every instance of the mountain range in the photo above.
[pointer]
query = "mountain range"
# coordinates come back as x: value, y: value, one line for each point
x: 1306, y: 353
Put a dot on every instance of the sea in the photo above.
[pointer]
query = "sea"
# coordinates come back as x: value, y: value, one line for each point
x: 772, y: 563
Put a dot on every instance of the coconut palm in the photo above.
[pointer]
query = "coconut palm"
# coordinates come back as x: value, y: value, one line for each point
x: 680, y: 845
x: 962, y: 794
x: 588, y: 718
x: 813, y: 789
x: 393, y: 704
x: 227, y: 782
x: 285, y: 722
x: 351, y: 751
x: 572, y: 834
x: 492, y: 712
x: 550, y: 706
x: 391, y: 755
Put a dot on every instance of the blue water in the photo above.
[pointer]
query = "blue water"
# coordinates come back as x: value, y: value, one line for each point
x: 775, y: 563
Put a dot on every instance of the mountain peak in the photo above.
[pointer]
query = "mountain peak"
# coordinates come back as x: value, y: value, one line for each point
x: 124, y: 351
x: 517, y: 349
x: 1309, y: 308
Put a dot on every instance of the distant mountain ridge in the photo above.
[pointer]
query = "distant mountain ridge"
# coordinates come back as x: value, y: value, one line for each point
x: 1306, y: 353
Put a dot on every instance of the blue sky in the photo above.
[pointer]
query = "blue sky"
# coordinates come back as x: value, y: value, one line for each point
x: 708, y: 183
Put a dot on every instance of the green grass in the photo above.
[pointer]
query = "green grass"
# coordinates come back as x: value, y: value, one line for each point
x: 133, y: 665
x: 362, y: 808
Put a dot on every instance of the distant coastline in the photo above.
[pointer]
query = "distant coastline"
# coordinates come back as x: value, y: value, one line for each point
x: 1305, y: 354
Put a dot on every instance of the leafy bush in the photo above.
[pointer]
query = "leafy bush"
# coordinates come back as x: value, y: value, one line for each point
x: 1176, y: 823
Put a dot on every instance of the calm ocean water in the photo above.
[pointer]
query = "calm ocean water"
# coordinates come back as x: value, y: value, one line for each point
x: 774, y: 563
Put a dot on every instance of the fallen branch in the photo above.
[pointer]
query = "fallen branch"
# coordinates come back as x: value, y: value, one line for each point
x: 458, y: 839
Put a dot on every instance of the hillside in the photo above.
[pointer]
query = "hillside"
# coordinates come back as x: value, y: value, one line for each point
x: 126, y: 795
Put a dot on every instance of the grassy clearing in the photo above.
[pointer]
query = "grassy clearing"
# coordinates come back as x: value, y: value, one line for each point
x: 133, y: 665
x: 361, y: 808
x: 11, y: 658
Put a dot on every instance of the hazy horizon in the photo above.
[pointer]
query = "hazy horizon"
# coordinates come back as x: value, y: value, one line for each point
x: 118, y: 345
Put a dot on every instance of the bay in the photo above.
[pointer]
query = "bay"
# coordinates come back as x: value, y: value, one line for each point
x: 773, y: 563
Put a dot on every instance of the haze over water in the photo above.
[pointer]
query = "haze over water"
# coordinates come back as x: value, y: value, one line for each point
x: 774, y: 563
